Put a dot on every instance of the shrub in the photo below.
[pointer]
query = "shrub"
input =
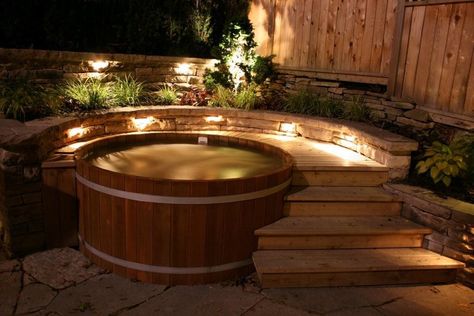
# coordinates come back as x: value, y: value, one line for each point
x: 195, y: 97
x: 356, y: 110
x: 222, y: 97
x: 247, y: 98
x: 21, y: 100
x: 262, y: 69
x: 166, y: 96
x: 127, y: 91
x: 444, y: 162
x: 305, y: 102
x: 88, y: 93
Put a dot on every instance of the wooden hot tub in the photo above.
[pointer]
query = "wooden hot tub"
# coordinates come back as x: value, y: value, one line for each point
x: 176, y: 231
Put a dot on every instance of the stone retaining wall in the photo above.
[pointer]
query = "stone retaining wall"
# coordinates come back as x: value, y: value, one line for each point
x: 452, y: 222
x: 51, y: 67
x: 384, y: 108
x: 23, y: 148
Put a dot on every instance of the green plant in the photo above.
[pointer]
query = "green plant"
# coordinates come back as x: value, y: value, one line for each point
x: 127, y: 91
x: 305, y: 102
x: 20, y: 99
x: 356, y: 110
x: 263, y: 68
x: 201, y: 25
x: 223, y: 97
x: 88, y: 93
x: 166, y: 95
x: 444, y: 162
x: 247, y: 98
x: 220, y: 77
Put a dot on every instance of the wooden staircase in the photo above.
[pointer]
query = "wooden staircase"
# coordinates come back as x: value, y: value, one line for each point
x: 341, y: 229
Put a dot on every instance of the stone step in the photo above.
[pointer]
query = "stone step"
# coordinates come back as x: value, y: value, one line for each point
x: 340, y: 233
x: 341, y: 201
x: 339, y: 178
x: 317, y: 268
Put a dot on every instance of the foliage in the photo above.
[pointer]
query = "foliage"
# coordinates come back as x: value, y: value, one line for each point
x: 305, y: 102
x: 356, y: 110
x: 247, y: 98
x: 263, y: 68
x: 221, y: 77
x: 222, y: 97
x: 444, y: 162
x: 195, y: 97
x: 166, y: 27
x: 127, y: 91
x: 21, y: 99
x: 166, y: 96
x: 202, y: 26
x: 88, y: 93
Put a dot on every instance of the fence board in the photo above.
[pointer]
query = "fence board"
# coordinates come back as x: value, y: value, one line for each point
x: 425, y: 48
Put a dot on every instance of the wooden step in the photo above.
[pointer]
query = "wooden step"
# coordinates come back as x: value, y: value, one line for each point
x: 341, y: 201
x: 317, y: 268
x: 339, y: 178
x: 340, y: 233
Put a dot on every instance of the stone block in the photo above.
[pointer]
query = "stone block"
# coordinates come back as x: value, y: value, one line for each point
x: 435, y: 222
x: 254, y: 123
x: 414, y: 123
x: 433, y: 246
x: 468, y: 259
x: 418, y: 115
x: 399, y: 105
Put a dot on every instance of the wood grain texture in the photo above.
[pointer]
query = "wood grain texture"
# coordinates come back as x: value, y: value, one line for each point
x: 172, y: 235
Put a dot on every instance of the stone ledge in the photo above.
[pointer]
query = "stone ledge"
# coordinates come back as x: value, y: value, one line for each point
x: 48, y: 134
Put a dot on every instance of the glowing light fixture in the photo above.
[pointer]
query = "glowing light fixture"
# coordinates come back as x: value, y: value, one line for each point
x: 184, y: 69
x: 340, y: 152
x: 99, y: 65
x: 288, y: 128
x: 142, y: 123
x: 76, y: 131
x: 214, y: 119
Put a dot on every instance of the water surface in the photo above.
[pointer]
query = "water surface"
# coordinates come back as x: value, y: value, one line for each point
x: 184, y: 161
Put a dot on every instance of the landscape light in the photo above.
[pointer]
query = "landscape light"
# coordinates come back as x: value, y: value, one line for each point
x: 142, y: 123
x: 99, y: 65
x: 214, y: 119
x: 184, y: 69
x: 288, y: 128
x: 76, y: 131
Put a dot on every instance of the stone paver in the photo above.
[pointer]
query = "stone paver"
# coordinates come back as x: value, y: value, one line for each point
x: 102, y: 295
x: 34, y: 297
x: 63, y: 282
x: 60, y: 268
x: 199, y: 300
x: 10, y: 285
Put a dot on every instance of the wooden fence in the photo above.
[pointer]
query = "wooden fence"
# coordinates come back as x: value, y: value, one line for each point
x: 422, y: 50
x: 435, y: 65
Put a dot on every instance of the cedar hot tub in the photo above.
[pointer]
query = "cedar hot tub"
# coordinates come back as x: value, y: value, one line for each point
x: 177, y: 208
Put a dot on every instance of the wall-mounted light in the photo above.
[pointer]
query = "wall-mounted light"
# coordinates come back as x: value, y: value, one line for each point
x: 99, y: 65
x: 76, y: 131
x: 184, y: 69
x: 214, y: 119
x: 288, y: 128
x: 142, y: 123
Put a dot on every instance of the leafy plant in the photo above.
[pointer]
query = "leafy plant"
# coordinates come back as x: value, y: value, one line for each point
x: 127, y: 91
x: 167, y: 95
x: 262, y: 69
x: 88, y: 93
x: 356, y: 110
x: 222, y: 97
x: 195, y: 97
x: 21, y: 99
x: 247, y: 98
x: 201, y: 25
x: 305, y: 102
x: 444, y: 162
x: 220, y: 77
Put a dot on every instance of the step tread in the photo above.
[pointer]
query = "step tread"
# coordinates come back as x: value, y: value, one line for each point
x: 350, y: 260
x: 340, y: 194
x: 330, y: 225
